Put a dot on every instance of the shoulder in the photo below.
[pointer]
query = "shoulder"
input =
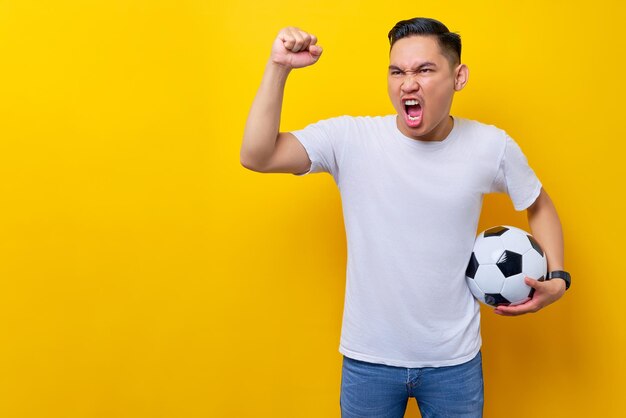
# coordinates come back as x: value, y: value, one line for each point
x: 370, y: 124
x: 341, y: 121
x: 363, y: 120
x: 357, y: 124
x: 483, y: 135
x: 482, y: 140
x: 482, y: 129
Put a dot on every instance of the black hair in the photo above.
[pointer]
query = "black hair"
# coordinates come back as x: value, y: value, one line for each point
x: 449, y: 42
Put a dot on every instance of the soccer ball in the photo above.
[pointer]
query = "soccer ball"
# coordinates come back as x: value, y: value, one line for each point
x: 502, y: 257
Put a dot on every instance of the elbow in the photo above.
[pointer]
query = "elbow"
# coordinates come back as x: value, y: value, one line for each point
x: 246, y: 164
x: 249, y: 164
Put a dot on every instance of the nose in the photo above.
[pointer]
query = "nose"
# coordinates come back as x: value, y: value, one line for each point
x: 410, y: 83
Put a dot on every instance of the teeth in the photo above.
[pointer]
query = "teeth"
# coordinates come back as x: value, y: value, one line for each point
x: 410, y: 102
x: 414, y: 118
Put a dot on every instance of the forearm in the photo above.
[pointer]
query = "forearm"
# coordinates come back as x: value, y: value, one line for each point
x: 262, y: 125
x: 546, y: 229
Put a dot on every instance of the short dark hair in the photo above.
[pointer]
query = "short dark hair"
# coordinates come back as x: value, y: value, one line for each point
x: 449, y: 42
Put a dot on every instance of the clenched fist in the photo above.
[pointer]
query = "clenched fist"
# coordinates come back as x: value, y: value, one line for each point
x: 294, y: 48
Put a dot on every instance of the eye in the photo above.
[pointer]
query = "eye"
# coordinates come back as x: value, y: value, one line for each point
x: 395, y: 72
x: 425, y: 69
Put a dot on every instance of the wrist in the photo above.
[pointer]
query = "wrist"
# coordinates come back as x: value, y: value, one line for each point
x: 280, y: 70
x: 561, y: 275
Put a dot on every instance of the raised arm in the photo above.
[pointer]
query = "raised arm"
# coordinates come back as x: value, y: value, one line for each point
x: 264, y: 148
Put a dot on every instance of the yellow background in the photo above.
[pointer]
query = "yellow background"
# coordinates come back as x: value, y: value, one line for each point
x: 145, y: 273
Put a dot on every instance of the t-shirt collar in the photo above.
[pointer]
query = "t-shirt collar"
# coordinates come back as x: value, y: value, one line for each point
x: 420, y: 144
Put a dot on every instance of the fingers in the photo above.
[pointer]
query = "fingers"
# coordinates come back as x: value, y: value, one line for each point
x: 546, y: 292
x: 536, y: 284
x: 315, y: 50
x: 296, y: 40
x: 531, y: 306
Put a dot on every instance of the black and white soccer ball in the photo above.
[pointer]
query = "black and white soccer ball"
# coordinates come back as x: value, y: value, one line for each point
x: 502, y: 257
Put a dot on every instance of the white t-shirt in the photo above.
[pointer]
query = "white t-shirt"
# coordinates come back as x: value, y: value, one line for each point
x: 411, y: 210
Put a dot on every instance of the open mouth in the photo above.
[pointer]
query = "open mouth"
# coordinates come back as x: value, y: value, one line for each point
x: 413, y: 112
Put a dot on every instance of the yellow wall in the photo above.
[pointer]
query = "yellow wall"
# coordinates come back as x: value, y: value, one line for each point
x: 145, y: 273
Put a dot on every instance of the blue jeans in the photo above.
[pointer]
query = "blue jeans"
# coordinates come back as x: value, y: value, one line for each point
x: 381, y: 391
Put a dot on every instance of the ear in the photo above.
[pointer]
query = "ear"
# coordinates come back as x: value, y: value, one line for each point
x: 461, y: 77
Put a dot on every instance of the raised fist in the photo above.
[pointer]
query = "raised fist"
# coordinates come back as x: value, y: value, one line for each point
x: 294, y: 48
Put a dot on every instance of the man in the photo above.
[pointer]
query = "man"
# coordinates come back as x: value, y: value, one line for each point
x: 412, y: 186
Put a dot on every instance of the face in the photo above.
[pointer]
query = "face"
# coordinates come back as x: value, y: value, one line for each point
x: 421, y: 85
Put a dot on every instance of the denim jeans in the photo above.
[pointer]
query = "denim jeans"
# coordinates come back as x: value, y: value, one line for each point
x: 381, y: 391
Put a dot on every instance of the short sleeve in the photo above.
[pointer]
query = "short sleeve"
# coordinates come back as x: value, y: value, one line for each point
x: 323, y: 142
x: 515, y: 177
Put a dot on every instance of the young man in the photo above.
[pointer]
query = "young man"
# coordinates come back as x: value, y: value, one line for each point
x: 412, y: 186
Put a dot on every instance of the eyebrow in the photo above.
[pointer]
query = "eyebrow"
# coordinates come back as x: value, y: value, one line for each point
x: 425, y: 64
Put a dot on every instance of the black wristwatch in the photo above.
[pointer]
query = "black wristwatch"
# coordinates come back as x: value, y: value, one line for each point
x: 560, y: 274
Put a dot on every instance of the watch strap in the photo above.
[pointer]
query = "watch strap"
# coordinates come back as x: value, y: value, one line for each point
x: 560, y: 274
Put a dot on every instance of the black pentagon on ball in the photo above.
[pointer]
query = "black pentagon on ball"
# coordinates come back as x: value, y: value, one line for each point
x: 510, y: 263
x: 496, y: 231
x: 495, y: 299
x: 535, y: 245
x: 472, y: 266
